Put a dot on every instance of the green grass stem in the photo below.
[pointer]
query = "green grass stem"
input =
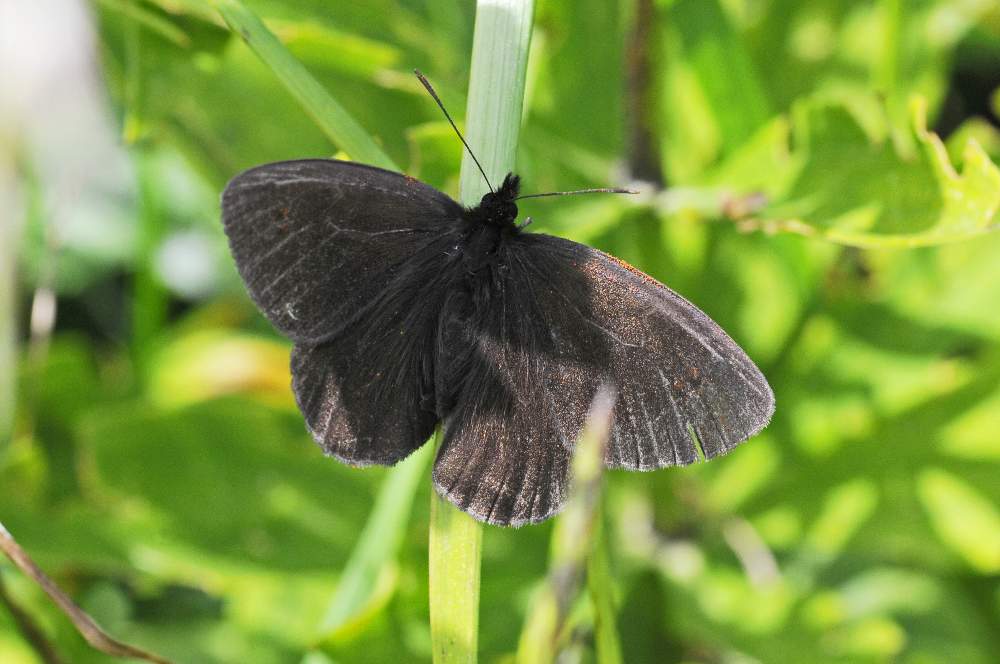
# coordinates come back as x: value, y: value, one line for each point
x: 496, y: 91
x: 454, y: 553
x: 493, y: 120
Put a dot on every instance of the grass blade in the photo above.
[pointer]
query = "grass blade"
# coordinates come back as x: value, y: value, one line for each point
x: 493, y: 120
x: 149, y: 20
x: 332, y: 118
x: 454, y: 552
x: 599, y: 585
x: 573, y: 543
x: 378, y: 544
x: 496, y: 91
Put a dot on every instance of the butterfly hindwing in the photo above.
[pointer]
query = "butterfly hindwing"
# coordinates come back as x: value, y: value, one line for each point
x: 367, y: 395
x: 499, y: 460
x: 565, y: 319
x: 344, y: 259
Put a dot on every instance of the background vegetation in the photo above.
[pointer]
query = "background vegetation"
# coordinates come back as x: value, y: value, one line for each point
x: 158, y: 469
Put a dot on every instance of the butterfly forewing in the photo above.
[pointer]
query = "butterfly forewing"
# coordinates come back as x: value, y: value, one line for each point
x: 317, y: 239
x: 565, y: 319
x: 344, y: 259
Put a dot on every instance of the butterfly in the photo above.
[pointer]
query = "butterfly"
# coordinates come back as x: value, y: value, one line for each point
x: 408, y: 310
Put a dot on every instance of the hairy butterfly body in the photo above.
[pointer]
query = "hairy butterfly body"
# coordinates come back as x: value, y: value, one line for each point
x: 408, y: 310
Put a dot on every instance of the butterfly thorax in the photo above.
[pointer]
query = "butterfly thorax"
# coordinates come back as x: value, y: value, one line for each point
x: 487, y: 226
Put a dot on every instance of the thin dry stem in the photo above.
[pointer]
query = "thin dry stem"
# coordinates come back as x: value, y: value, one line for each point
x: 88, y: 628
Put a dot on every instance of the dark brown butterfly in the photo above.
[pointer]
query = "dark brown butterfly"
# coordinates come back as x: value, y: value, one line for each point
x: 408, y: 310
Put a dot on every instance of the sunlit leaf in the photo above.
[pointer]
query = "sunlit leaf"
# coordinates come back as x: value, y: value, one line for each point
x: 716, y: 54
x: 852, y: 188
x: 213, y: 363
x: 230, y: 477
x: 966, y: 521
x: 844, y: 510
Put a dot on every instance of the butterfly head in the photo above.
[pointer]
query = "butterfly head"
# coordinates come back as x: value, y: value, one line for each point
x: 497, y: 208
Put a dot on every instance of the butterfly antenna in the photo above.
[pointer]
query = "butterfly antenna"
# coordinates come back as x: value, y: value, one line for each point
x: 612, y: 190
x: 430, y: 89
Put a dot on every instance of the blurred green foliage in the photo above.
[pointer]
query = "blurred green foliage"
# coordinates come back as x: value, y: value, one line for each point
x: 158, y: 468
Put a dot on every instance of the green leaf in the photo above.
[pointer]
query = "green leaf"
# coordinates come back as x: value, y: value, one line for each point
x: 976, y: 129
x: 149, y: 20
x: 575, y: 95
x: 846, y: 508
x: 717, y: 57
x: 209, y: 363
x: 229, y: 477
x: 847, y: 186
x: 963, y: 518
x: 343, y: 51
x: 342, y: 129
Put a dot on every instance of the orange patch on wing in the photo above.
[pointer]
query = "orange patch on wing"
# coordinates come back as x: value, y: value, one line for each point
x: 633, y: 270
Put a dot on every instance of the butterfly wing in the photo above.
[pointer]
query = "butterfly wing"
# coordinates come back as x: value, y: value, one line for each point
x: 563, y: 319
x: 344, y: 259
x: 317, y: 239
